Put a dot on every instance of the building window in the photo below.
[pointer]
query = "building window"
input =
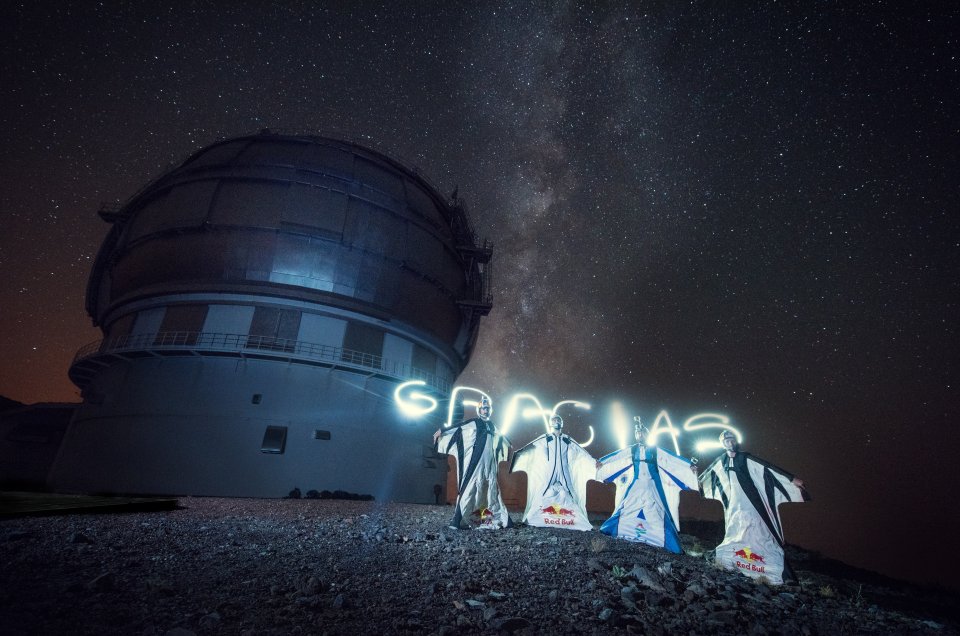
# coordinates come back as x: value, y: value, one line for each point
x: 181, y: 325
x: 363, y: 345
x: 274, y: 329
x: 274, y: 440
x: 318, y: 434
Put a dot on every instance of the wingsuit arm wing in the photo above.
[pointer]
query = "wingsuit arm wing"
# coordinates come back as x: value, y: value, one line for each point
x: 583, y: 468
x: 679, y: 469
x: 711, y: 484
x: 612, y: 465
x: 525, y: 461
x: 449, y: 437
x: 503, y: 448
x: 457, y: 441
x: 777, y: 482
x: 443, y: 442
x: 523, y: 458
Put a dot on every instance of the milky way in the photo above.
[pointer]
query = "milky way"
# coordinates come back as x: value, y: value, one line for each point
x: 694, y: 206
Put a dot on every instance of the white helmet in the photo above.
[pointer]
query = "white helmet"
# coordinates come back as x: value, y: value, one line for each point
x: 484, y: 408
x: 728, y: 435
x: 640, y: 432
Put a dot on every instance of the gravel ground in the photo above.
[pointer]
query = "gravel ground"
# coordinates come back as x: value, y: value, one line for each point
x: 253, y: 566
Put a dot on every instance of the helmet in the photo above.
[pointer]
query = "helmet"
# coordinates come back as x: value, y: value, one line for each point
x: 556, y: 422
x: 640, y: 432
x: 484, y: 408
x: 728, y: 435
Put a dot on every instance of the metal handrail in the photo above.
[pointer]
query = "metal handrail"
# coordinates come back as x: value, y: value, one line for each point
x: 200, y: 342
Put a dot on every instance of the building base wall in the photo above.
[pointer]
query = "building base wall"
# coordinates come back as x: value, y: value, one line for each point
x: 198, y: 426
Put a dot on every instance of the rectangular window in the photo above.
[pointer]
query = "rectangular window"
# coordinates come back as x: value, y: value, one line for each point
x: 362, y: 344
x: 181, y: 325
x: 288, y: 325
x: 274, y: 329
x: 318, y: 434
x: 274, y: 440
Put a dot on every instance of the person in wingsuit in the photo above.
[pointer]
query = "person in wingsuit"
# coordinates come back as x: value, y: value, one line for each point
x: 750, y: 490
x: 649, y: 481
x: 479, y: 449
x: 558, y: 470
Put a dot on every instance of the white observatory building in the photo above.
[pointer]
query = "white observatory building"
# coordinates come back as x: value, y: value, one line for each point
x: 259, y: 305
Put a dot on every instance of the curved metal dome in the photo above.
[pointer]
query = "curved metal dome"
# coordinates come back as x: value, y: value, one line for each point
x: 260, y: 304
x: 299, y: 217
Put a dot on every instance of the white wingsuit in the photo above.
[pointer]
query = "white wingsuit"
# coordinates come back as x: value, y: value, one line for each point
x: 649, y: 480
x: 750, y: 490
x: 558, y: 470
x: 479, y: 449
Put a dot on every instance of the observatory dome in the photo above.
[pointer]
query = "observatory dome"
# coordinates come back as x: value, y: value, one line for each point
x: 298, y: 217
x: 260, y: 303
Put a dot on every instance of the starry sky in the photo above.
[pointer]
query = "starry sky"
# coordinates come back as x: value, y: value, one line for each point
x: 745, y: 208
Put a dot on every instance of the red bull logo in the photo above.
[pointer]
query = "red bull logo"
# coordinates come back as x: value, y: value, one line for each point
x: 749, y: 555
x: 556, y: 515
x: 482, y: 515
x: 752, y: 560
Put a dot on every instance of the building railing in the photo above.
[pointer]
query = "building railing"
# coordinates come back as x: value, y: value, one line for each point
x: 202, y: 343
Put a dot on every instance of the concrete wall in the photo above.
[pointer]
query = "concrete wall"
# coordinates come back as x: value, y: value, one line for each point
x: 195, y: 426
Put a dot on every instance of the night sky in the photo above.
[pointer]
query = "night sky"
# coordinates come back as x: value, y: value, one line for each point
x: 695, y: 206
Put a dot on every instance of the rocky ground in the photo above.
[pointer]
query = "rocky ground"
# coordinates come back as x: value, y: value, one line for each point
x: 246, y: 566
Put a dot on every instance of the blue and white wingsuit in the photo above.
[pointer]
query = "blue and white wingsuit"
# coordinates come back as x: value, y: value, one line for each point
x: 649, y: 481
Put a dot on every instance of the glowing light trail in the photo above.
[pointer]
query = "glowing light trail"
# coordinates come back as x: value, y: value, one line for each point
x: 715, y: 421
x: 576, y: 404
x: 656, y: 431
x: 663, y: 425
x: 589, y: 441
x: 417, y: 404
x: 620, y: 423
x: 512, y: 408
x: 453, y: 402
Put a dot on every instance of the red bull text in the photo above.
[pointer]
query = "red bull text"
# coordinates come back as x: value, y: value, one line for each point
x: 555, y: 515
x: 751, y: 560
